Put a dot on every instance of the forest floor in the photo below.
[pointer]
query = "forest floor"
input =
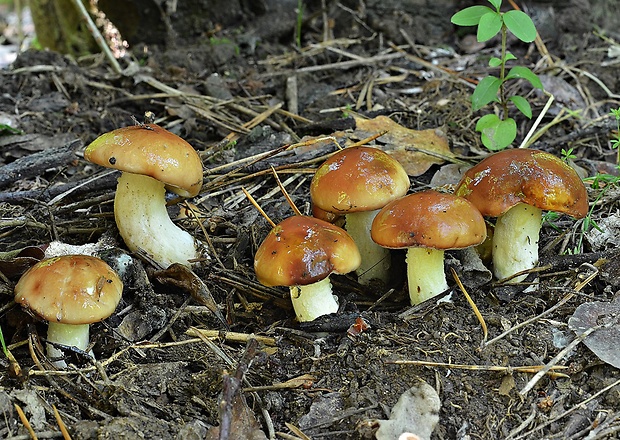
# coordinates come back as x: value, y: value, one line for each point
x: 161, y: 375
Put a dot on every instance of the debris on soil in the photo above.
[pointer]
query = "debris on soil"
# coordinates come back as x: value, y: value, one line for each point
x: 190, y: 351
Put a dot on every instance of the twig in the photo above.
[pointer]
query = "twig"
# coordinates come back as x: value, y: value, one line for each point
x: 25, y: 421
x: 526, y: 141
x: 579, y: 405
x: 506, y: 369
x: 61, y: 424
x: 559, y: 304
x: 97, y: 36
x: 485, y: 332
x: 287, y: 196
x: 257, y: 206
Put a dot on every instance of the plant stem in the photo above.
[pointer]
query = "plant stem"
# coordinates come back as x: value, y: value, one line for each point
x: 502, y: 74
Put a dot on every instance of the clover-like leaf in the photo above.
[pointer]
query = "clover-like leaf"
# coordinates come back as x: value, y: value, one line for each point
x: 489, y: 26
x: 525, y: 73
x: 522, y: 105
x: 470, y: 16
x: 521, y: 25
x: 485, y: 92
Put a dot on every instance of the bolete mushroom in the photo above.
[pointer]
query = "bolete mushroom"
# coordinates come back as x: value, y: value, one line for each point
x: 427, y: 223
x: 70, y: 292
x: 515, y: 186
x: 357, y: 182
x: 301, y: 252
x: 151, y: 159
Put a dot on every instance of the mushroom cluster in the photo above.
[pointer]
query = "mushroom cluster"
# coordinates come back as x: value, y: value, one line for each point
x: 356, y: 182
x: 369, y: 187
x: 152, y: 160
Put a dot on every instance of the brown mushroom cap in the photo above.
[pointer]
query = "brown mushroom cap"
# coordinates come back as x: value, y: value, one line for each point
x: 72, y: 289
x: 534, y: 177
x: 153, y: 151
x: 358, y: 179
x: 429, y: 219
x: 302, y: 250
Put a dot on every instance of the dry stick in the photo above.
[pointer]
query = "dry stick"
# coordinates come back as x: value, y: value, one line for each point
x: 485, y: 332
x: 25, y: 421
x: 61, y: 424
x: 97, y: 36
x: 580, y: 405
x: 194, y: 214
x: 230, y: 336
x: 287, y: 196
x: 553, y: 362
x: 526, y: 140
x: 217, y: 351
x: 559, y: 304
x: 509, y: 370
x: 256, y: 205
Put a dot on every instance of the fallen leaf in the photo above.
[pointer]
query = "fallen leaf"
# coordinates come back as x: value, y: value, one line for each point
x: 417, y: 411
x: 604, y: 341
x: 416, y: 150
x: 181, y: 276
x: 14, y: 263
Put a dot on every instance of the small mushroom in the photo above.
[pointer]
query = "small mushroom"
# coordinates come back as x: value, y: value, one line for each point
x: 357, y: 182
x: 301, y: 252
x: 70, y: 292
x: 515, y: 186
x: 151, y: 159
x: 427, y: 223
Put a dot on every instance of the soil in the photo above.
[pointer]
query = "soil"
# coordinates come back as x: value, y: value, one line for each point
x: 158, y: 375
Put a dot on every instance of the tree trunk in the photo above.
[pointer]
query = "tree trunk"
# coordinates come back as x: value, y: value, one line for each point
x: 60, y: 27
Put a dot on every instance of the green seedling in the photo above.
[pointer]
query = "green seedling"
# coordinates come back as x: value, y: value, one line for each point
x: 498, y: 132
x: 567, y: 155
x: 615, y: 141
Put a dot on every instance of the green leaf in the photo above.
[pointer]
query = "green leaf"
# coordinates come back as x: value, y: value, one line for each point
x: 510, y: 56
x: 489, y: 26
x: 521, y: 25
x: 485, y: 92
x: 522, y: 105
x: 470, y: 16
x: 495, y: 133
x: 525, y: 73
x: 496, y: 3
x: 495, y: 62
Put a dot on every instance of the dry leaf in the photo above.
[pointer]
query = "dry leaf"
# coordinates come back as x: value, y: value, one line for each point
x: 416, y: 150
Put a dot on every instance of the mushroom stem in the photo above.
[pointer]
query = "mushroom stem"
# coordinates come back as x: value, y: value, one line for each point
x: 143, y: 221
x: 515, y: 241
x: 72, y: 335
x: 313, y: 300
x: 375, y: 259
x: 425, y: 273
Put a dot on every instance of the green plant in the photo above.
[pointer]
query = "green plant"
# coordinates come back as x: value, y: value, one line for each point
x: 567, y: 155
x: 299, y: 22
x: 615, y: 141
x: 497, y: 132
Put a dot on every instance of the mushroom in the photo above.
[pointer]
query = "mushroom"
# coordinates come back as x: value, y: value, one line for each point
x: 151, y: 159
x: 515, y: 186
x: 427, y: 223
x: 70, y: 292
x: 301, y: 252
x: 357, y: 182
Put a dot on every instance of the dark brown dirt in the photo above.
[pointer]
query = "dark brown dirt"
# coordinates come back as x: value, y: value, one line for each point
x: 155, y: 380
